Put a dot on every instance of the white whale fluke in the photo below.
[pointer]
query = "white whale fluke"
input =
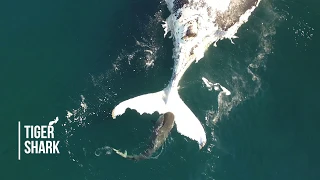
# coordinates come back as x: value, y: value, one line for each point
x: 194, y: 25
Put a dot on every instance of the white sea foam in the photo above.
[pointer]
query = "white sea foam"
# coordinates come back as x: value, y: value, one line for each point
x: 243, y: 86
x: 216, y: 86
x: 78, y: 115
x: 94, y: 101
x: 54, y: 121
x: 105, y: 150
x: 147, y: 49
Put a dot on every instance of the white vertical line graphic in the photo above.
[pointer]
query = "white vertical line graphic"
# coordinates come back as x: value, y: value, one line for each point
x: 19, y: 141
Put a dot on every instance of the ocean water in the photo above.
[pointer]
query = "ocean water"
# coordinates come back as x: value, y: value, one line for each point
x: 76, y: 60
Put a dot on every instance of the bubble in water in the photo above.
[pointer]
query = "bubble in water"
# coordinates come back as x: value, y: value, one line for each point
x: 97, y: 152
x: 103, y: 150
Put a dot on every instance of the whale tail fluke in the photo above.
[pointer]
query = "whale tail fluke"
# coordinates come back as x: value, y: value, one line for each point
x: 162, y: 102
x: 187, y: 123
x: 147, y: 103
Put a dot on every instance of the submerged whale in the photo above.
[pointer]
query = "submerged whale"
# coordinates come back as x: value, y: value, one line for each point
x: 194, y: 25
x: 160, y: 133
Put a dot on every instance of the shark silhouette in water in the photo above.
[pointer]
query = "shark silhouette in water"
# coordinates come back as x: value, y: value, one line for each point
x: 194, y: 26
x: 160, y: 133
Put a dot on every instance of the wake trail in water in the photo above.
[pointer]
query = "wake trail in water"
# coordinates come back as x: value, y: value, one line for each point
x: 242, y: 76
x: 246, y: 84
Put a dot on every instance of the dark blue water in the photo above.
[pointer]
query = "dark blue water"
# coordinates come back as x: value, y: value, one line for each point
x: 85, y: 57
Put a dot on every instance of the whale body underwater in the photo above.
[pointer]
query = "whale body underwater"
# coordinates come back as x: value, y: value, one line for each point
x: 193, y: 25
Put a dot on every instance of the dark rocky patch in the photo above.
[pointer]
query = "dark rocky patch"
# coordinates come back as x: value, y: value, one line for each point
x: 191, y: 32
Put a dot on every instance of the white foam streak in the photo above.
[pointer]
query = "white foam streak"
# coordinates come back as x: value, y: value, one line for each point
x: 54, y: 121
x: 216, y: 86
x: 83, y: 104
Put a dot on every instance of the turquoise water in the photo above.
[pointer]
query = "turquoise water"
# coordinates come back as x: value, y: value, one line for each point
x: 57, y: 55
